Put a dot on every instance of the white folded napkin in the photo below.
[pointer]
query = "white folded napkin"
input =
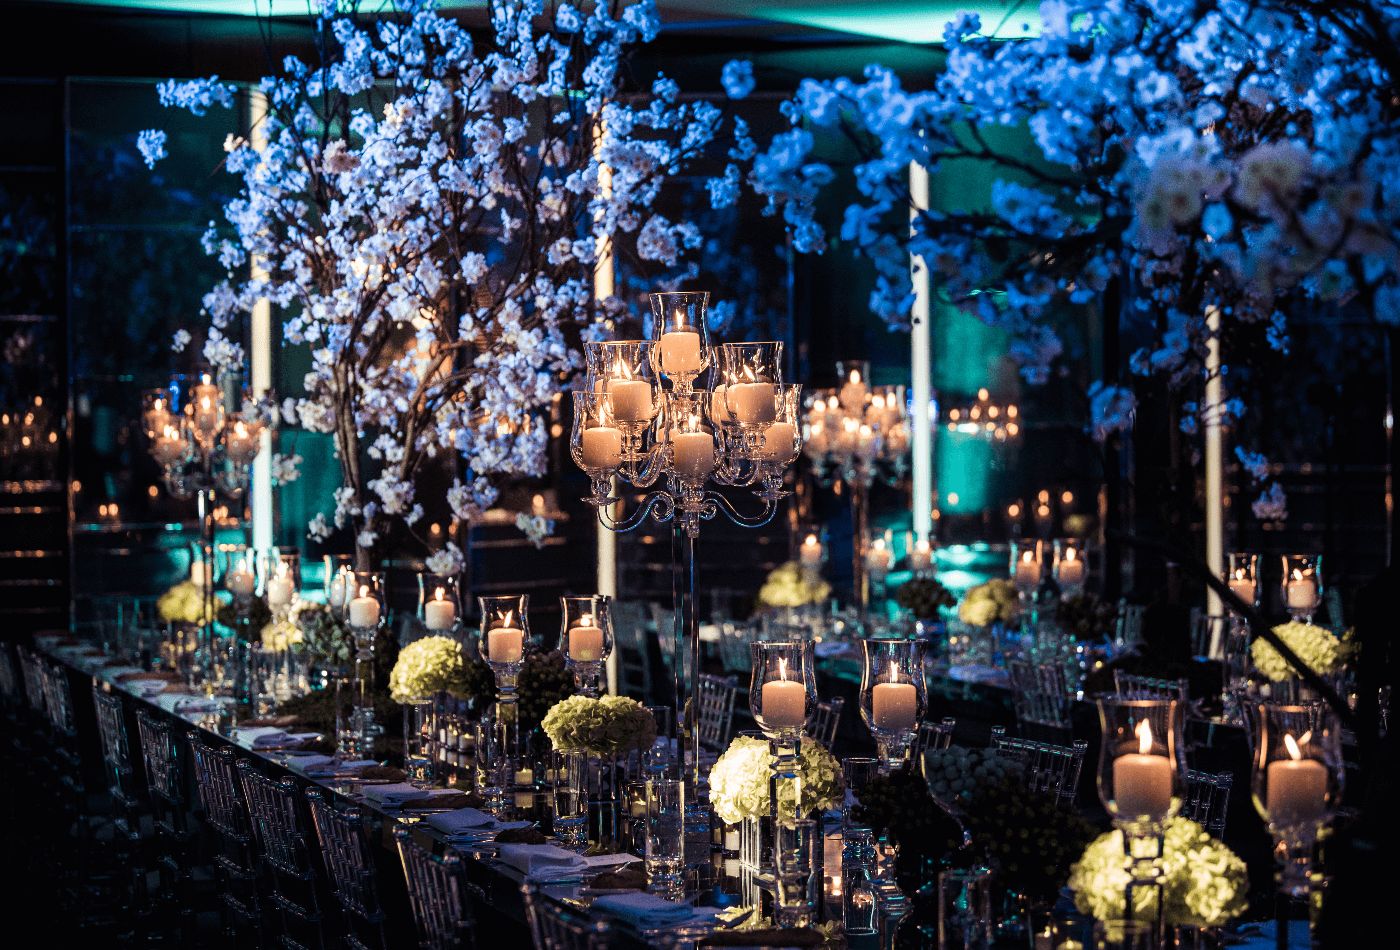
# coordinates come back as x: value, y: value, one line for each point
x: 325, y: 764
x: 110, y: 673
x: 184, y: 702
x: 643, y: 910
x: 269, y: 737
x: 143, y: 687
x: 542, y: 862
x: 398, y: 793
x: 460, y: 821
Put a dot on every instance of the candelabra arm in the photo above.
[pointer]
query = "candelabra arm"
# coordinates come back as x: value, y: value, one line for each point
x: 716, y: 503
x: 659, y: 502
x: 652, y: 467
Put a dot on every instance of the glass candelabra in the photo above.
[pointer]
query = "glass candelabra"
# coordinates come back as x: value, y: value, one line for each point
x: 857, y: 435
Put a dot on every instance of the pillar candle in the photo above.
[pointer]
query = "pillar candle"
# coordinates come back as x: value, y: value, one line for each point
x: 694, y: 454
x: 364, y: 610
x: 779, y: 442
x: 1297, y: 791
x: 279, y: 591
x: 1142, y: 785
x: 811, y: 552
x: 853, y: 393
x: 784, y: 704
x: 752, y: 403
x: 679, y: 353
x: 921, y: 556
x: 1301, y: 592
x: 631, y: 399
x: 505, y: 644
x: 1071, y: 569
x: 440, y: 613
x: 240, y: 581
x: 585, y: 642
x: 1243, y: 588
x: 1028, y: 570
x: 199, y: 574
x: 601, y: 447
x: 894, y: 706
x: 242, y: 445
x: 336, y: 594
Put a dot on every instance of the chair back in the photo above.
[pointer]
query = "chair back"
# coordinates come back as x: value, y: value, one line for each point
x: 32, y: 671
x: 734, y: 653
x: 350, y: 865
x: 116, y: 750
x: 160, y: 756
x: 1040, y: 694
x: 437, y: 891
x: 555, y: 926
x: 58, y: 700
x: 1133, y: 686
x: 216, y: 778
x: 1128, y: 625
x: 1050, y: 769
x: 715, y: 719
x: 1208, y: 799
x: 633, y: 658
x: 10, y: 690
x: 932, y: 737
x: 282, y: 832
x: 826, y: 720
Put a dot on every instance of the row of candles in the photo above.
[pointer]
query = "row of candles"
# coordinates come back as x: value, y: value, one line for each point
x: 1300, y: 581
x: 178, y: 431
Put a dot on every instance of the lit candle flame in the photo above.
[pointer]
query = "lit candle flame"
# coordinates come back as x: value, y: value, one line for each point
x: 782, y: 669
x: 1144, y: 734
x: 440, y: 594
x: 1297, y: 574
x: 364, y: 591
x: 855, y: 376
x: 1291, y: 744
x: 509, y: 615
x: 1027, y: 557
x: 585, y: 621
x: 1069, y: 554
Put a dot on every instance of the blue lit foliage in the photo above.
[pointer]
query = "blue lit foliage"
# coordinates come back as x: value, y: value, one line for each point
x: 1236, y: 155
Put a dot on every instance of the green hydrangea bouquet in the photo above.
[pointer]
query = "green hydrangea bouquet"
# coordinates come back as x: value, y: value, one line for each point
x: 739, y: 780
x: 1318, y: 647
x: 183, y: 603
x: 788, y: 585
x: 607, y: 725
x: 1204, y: 883
x: 427, y: 666
x: 989, y: 603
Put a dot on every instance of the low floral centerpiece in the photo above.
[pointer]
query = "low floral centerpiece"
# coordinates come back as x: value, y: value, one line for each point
x: 1318, y: 647
x: 789, y: 585
x: 427, y: 666
x: 324, y: 639
x: 183, y: 603
x: 1204, y: 883
x: 739, y: 787
x: 992, y: 602
x: 924, y: 597
x: 602, y: 726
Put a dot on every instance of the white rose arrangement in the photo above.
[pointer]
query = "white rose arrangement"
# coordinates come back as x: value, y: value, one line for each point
x: 608, y: 725
x: 1204, y: 883
x: 989, y: 603
x: 427, y: 666
x: 1316, y: 646
x: 739, y: 780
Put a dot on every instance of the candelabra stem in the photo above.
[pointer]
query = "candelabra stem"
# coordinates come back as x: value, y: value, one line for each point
x: 1143, y: 848
x: 686, y: 660
x: 860, y: 542
x: 205, y: 506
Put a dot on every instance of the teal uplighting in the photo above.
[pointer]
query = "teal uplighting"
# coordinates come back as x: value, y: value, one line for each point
x: 962, y: 463
x: 908, y: 21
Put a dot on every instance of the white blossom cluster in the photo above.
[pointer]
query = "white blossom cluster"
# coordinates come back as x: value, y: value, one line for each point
x: 1223, y: 155
x: 427, y: 210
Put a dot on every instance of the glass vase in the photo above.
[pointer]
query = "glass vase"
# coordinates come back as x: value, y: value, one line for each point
x: 419, y: 746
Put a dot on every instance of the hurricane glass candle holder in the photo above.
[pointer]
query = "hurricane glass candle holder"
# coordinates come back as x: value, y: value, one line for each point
x: 1301, y: 585
x: 1070, y: 567
x: 337, y: 581
x: 365, y: 613
x: 586, y: 639
x: 439, y: 604
x: 1027, y: 567
x: 680, y: 337
x: 892, y: 696
x: 503, y: 644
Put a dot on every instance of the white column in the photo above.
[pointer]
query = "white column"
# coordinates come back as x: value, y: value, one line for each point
x: 921, y: 439
x: 603, y: 281
x: 1215, y: 486
x: 260, y: 358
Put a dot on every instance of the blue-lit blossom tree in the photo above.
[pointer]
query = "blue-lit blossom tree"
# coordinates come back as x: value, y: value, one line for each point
x: 426, y: 213
x: 1200, y: 157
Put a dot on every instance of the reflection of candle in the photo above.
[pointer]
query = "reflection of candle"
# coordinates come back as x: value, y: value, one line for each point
x: 1071, y: 569
x: 439, y: 613
x: 679, y: 352
x: 694, y: 454
x: 199, y: 574
x: 505, y: 644
x: 585, y: 641
x: 242, y: 444
x: 1028, y: 570
x: 279, y: 591
x: 336, y: 595
x: 1142, y: 782
x: 779, y: 442
x: 894, y: 706
x: 784, y: 702
x: 364, y: 610
x: 1297, y: 787
x: 631, y: 399
x: 752, y: 403
x: 921, y: 556
x: 601, y: 447
x: 1301, y: 591
x: 240, y: 581
x: 811, y: 552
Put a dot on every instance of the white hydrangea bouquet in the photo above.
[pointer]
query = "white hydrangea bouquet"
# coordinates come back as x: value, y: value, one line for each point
x: 427, y: 666
x: 739, y: 780
x: 607, y: 725
x: 281, y: 634
x: 788, y: 585
x: 1204, y: 883
x: 989, y: 603
x: 1318, y: 647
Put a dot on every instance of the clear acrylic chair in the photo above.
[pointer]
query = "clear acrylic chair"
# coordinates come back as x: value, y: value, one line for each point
x: 1128, y: 625
x: 439, y: 893
x: 1207, y: 799
x: 734, y: 640
x: 282, y: 832
x: 826, y: 720
x: 1050, y: 769
x: 349, y: 863
x: 633, y: 658
x: 932, y: 737
x: 31, y: 669
x: 11, y: 692
x: 162, y: 761
x: 127, y: 806
x: 555, y: 926
x: 715, y: 721
x: 663, y: 623
x: 235, y: 857
x: 1040, y: 694
x: 1133, y: 686
x: 1207, y: 631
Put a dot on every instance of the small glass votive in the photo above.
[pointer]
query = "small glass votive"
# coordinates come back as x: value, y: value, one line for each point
x: 439, y: 604
x: 965, y: 908
x: 796, y: 889
x: 1125, y: 935
x: 1301, y: 585
x: 665, y: 837
x: 1242, y: 577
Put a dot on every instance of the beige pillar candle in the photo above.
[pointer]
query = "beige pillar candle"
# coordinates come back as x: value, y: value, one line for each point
x: 631, y: 399
x: 779, y: 442
x: 1296, y: 788
x: 440, y: 613
x: 601, y: 447
x: 585, y: 641
x: 505, y: 644
x: 364, y: 610
x: 894, y: 706
x: 1142, y: 782
x: 810, y: 553
x: 279, y: 591
x: 679, y: 353
x: 752, y: 403
x: 694, y: 454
